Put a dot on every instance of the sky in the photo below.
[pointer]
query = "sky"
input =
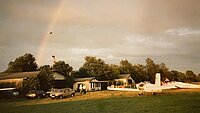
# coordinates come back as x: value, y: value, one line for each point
x: 166, y: 31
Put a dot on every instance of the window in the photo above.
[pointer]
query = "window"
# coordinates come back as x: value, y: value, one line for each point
x: 130, y: 81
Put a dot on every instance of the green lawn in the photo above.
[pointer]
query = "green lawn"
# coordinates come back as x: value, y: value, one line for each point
x: 165, y: 103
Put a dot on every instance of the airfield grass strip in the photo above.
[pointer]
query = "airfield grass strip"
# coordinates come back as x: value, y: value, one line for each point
x: 185, y: 101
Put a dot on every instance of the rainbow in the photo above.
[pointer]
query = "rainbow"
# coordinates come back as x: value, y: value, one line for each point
x: 41, y: 50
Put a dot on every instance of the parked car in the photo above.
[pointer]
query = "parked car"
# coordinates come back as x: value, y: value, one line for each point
x: 36, y: 94
x: 48, y: 93
x: 61, y: 93
x: 8, y: 93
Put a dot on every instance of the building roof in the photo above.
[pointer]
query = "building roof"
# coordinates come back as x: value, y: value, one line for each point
x: 84, y: 79
x: 23, y: 75
x: 95, y: 80
x: 18, y: 75
x: 124, y: 76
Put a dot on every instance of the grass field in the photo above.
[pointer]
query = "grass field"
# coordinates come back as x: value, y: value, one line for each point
x: 176, y: 101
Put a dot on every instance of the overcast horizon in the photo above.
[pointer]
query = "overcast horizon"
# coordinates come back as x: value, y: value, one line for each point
x: 113, y: 30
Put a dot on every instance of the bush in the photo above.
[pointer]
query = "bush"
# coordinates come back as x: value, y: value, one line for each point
x: 45, y: 78
x: 29, y: 84
x: 42, y: 81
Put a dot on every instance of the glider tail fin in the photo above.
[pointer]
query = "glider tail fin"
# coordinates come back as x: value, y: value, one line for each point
x: 157, y: 79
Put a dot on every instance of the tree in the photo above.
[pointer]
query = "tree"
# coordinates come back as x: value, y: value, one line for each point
x: 82, y: 72
x: 45, y: 78
x: 110, y: 72
x: 43, y: 81
x: 140, y: 73
x: 45, y: 66
x: 198, y: 77
x: 190, y: 76
x: 126, y: 67
x: 137, y: 71
x: 22, y: 64
x: 97, y: 68
x: 63, y: 68
x: 115, y: 72
x: 182, y: 77
x: 30, y: 83
x: 94, y: 66
x: 151, y: 69
x: 164, y: 71
x: 66, y: 70
x: 175, y: 76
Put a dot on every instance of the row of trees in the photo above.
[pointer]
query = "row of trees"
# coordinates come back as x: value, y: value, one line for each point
x: 95, y: 67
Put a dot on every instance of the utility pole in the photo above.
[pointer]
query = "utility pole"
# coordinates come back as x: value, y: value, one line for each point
x: 54, y: 59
